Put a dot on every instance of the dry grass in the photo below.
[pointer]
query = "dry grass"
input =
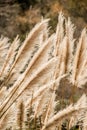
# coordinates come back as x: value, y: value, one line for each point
x: 41, y: 74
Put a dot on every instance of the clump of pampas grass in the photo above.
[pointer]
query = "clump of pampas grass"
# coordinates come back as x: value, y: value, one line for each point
x: 41, y: 74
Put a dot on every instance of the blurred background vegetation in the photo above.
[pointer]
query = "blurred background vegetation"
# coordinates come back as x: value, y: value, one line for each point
x: 19, y: 16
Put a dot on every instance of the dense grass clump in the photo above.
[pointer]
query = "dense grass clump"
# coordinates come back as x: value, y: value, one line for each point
x: 43, y: 80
